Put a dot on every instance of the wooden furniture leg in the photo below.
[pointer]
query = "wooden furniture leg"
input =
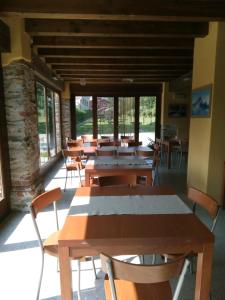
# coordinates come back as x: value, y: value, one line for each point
x: 204, y: 271
x: 65, y: 274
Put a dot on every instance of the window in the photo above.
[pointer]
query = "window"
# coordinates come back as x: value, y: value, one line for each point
x: 126, y: 116
x: 84, y: 120
x: 49, y: 130
x: 147, y: 119
x: 42, y: 124
x: 57, y: 122
x: 105, y: 115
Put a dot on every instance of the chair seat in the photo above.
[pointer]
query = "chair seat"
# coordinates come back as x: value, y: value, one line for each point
x: 72, y: 167
x: 139, y: 291
x: 51, y: 243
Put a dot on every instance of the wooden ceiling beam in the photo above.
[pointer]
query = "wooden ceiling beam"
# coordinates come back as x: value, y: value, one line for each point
x: 116, y: 72
x: 120, y: 61
x: 117, y: 68
x: 119, y: 81
x: 62, y: 27
x: 164, y: 10
x: 112, y: 42
x: 116, y: 89
x: 111, y: 53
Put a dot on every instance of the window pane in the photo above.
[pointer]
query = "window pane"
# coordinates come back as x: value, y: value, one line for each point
x: 105, y: 115
x: 51, y: 123
x: 57, y: 122
x: 42, y: 128
x: 147, y: 118
x: 126, y: 116
x: 84, y: 121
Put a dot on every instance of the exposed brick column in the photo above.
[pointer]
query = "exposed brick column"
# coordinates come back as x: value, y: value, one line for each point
x: 66, y: 124
x: 21, y: 115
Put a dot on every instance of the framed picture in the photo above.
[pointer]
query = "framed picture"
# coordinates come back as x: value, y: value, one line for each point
x: 177, y: 110
x: 201, y: 102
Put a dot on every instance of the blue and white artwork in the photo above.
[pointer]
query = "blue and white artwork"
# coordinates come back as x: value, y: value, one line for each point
x: 201, y: 99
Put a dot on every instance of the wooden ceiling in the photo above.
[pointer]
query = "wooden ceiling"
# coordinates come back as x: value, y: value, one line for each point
x: 122, y: 42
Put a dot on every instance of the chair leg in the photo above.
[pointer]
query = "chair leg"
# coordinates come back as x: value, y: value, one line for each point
x: 40, y: 278
x: 153, y: 259
x: 78, y: 280
x: 94, y: 269
x: 66, y: 180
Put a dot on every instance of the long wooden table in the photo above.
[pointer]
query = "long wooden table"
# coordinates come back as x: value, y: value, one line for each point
x: 102, y: 169
x: 135, y: 234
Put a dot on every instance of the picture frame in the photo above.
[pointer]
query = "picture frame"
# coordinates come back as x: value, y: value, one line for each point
x: 201, y: 102
x: 177, y: 110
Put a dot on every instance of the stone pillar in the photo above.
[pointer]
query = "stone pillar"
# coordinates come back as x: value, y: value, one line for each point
x: 22, y: 126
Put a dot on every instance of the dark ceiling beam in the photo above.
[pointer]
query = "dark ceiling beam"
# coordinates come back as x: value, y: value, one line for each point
x: 111, y: 53
x: 117, y: 68
x: 112, y: 42
x: 116, y: 72
x: 164, y: 10
x: 115, y: 76
x: 120, y: 61
x: 61, y: 27
x: 120, y: 80
x: 4, y: 37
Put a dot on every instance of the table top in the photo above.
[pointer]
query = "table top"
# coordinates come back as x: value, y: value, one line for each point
x: 133, y: 234
x: 110, y: 162
x: 125, y: 149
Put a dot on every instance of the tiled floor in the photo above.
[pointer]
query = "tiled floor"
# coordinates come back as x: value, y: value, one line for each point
x: 20, y: 255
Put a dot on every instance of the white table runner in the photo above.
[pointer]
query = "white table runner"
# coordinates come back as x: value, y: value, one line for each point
x: 117, y: 161
x: 135, y: 204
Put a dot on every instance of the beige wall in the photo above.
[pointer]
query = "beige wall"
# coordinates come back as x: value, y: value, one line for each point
x: 182, y: 123
x: 20, y: 41
x: 207, y: 138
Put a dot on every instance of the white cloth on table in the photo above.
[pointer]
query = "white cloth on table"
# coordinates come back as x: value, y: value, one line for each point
x: 130, y: 204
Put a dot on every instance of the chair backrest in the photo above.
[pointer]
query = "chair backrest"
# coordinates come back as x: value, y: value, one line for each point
x: 208, y: 203
x: 74, y: 143
x: 105, y: 152
x: 73, y: 156
x: 118, y: 180
x: 134, y: 143
x: 106, y: 144
x: 147, y: 274
x: 143, y: 153
x: 42, y: 201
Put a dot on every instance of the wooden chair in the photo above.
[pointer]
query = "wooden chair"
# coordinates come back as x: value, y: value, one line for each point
x: 134, y: 144
x: 154, y: 157
x: 139, y: 282
x: 74, y: 143
x: 130, y: 180
x: 50, y: 244
x: 100, y: 152
x: 208, y: 204
x: 73, y: 162
x: 93, y: 143
x: 106, y: 144
x: 183, y: 150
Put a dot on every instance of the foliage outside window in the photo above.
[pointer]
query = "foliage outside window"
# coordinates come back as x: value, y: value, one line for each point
x: 48, y: 122
x: 126, y: 116
x: 105, y: 115
x: 147, y: 118
x: 84, y: 120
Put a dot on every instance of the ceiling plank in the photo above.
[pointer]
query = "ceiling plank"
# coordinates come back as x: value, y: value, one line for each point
x: 102, y: 53
x: 112, y: 42
x: 120, y: 61
x: 60, y: 27
x: 116, y: 68
x: 164, y: 10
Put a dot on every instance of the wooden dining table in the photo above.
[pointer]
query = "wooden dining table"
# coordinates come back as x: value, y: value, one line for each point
x: 121, y: 234
x: 109, y: 166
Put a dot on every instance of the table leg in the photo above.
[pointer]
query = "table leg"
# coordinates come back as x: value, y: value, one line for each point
x: 204, y: 271
x: 87, y: 179
x: 149, y: 178
x: 65, y: 274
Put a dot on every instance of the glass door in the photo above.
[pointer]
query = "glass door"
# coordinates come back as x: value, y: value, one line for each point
x: 105, y: 116
x: 126, y: 116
